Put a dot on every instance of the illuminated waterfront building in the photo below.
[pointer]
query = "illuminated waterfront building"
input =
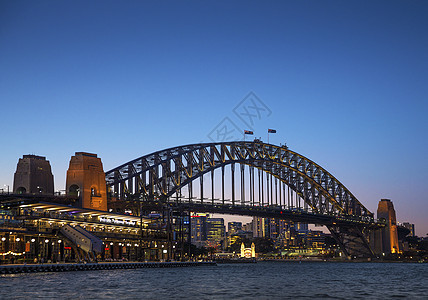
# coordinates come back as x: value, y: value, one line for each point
x: 34, y: 232
x: 248, y: 252
x: 315, y: 239
x: 36, y: 225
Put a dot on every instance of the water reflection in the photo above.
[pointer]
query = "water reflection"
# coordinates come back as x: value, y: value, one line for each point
x: 248, y: 281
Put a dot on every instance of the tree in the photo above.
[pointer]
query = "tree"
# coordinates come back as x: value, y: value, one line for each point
x: 263, y: 245
x: 236, y: 244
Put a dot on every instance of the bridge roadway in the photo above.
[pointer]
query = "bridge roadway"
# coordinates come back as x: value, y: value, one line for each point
x: 275, y: 212
x: 268, y: 211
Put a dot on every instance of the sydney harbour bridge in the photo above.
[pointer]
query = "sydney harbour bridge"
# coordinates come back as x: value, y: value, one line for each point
x: 248, y: 179
x: 234, y: 178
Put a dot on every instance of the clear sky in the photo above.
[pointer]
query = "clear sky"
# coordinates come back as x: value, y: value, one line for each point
x: 345, y: 82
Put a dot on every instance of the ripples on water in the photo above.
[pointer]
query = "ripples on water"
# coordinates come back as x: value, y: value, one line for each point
x: 265, y: 280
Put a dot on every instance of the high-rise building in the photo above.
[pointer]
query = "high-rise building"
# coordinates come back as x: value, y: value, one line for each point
x: 198, y: 229
x: 248, y: 227
x: 271, y: 228
x: 216, y: 232
x: 33, y: 176
x: 300, y: 227
x: 259, y: 227
x: 315, y: 239
x: 276, y: 228
x: 411, y: 227
x: 233, y: 227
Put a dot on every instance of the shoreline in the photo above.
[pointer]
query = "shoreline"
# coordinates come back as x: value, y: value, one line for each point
x: 341, y: 261
x: 66, y: 267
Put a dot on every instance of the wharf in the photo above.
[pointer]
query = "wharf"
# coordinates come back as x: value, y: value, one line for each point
x: 37, y: 268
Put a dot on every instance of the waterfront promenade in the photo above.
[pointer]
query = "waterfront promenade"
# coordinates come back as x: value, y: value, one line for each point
x: 64, y: 267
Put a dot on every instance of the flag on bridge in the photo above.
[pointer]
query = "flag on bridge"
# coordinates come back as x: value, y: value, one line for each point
x: 271, y: 131
x: 248, y: 132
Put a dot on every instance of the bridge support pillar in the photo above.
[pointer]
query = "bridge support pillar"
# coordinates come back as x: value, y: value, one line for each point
x: 385, y: 240
x: 86, y: 179
x: 33, y: 176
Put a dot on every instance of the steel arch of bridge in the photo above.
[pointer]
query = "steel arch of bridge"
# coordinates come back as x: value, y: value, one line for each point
x: 164, y: 173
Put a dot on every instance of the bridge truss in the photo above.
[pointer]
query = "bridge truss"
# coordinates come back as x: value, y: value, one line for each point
x: 246, y: 178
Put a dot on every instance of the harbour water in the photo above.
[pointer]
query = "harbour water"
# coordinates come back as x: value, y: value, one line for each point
x: 263, y: 280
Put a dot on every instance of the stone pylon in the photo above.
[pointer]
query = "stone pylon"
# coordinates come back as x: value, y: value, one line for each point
x: 386, y: 240
x: 86, y: 179
x: 33, y: 176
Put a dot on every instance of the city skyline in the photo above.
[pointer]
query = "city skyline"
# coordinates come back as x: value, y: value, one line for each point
x: 345, y: 85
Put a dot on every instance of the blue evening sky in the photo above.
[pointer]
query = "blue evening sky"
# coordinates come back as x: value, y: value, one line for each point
x: 346, y: 84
